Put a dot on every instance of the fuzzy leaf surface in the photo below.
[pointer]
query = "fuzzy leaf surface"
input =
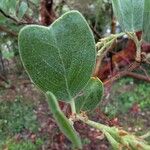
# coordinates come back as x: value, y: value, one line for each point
x: 133, y: 16
x: 59, y: 58
x: 146, y: 22
x: 62, y: 121
x: 129, y: 13
x: 90, y: 96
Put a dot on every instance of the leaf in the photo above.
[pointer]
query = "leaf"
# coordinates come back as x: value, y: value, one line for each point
x: 113, y: 142
x: 36, y: 2
x: 59, y: 58
x: 129, y: 14
x: 133, y: 15
x: 90, y: 96
x: 8, y: 6
x: 22, y: 9
x: 146, y: 23
x: 62, y: 121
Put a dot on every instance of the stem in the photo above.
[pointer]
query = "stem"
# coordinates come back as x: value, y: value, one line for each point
x: 103, y: 47
x: 138, y: 51
x: 138, y: 44
x: 73, y: 108
x: 108, y: 44
x: 93, y: 124
x: 117, y: 137
x: 145, y: 135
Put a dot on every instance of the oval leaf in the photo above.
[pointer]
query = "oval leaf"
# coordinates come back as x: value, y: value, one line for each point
x: 59, y: 58
x: 146, y: 24
x: 9, y: 6
x: 90, y: 96
x: 129, y: 13
x: 22, y: 9
x: 62, y: 121
x: 133, y: 15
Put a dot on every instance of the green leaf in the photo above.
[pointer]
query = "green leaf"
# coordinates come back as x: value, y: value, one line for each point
x: 146, y: 22
x: 22, y: 9
x: 59, y: 58
x: 133, y: 15
x: 90, y: 96
x: 113, y: 142
x: 62, y: 121
x: 129, y: 14
x: 8, y: 6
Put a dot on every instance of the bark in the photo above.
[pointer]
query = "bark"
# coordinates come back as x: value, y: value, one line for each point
x: 47, y: 14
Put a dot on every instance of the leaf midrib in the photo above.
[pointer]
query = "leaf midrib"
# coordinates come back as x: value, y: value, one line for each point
x: 62, y: 62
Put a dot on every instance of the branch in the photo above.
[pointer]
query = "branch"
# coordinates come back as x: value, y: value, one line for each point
x: 96, y: 32
x: 145, y: 72
x: 15, y: 20
x: 138, y: 76
x: 4, y: 29
x: 117, y: 76
x: 7, y: 16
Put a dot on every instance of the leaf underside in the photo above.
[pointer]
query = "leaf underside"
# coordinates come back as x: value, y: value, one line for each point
x: 59, y: 58
x: 146, y: 21
x: 91, y: 96
x: 133, y: 16
x: 129, y: 14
